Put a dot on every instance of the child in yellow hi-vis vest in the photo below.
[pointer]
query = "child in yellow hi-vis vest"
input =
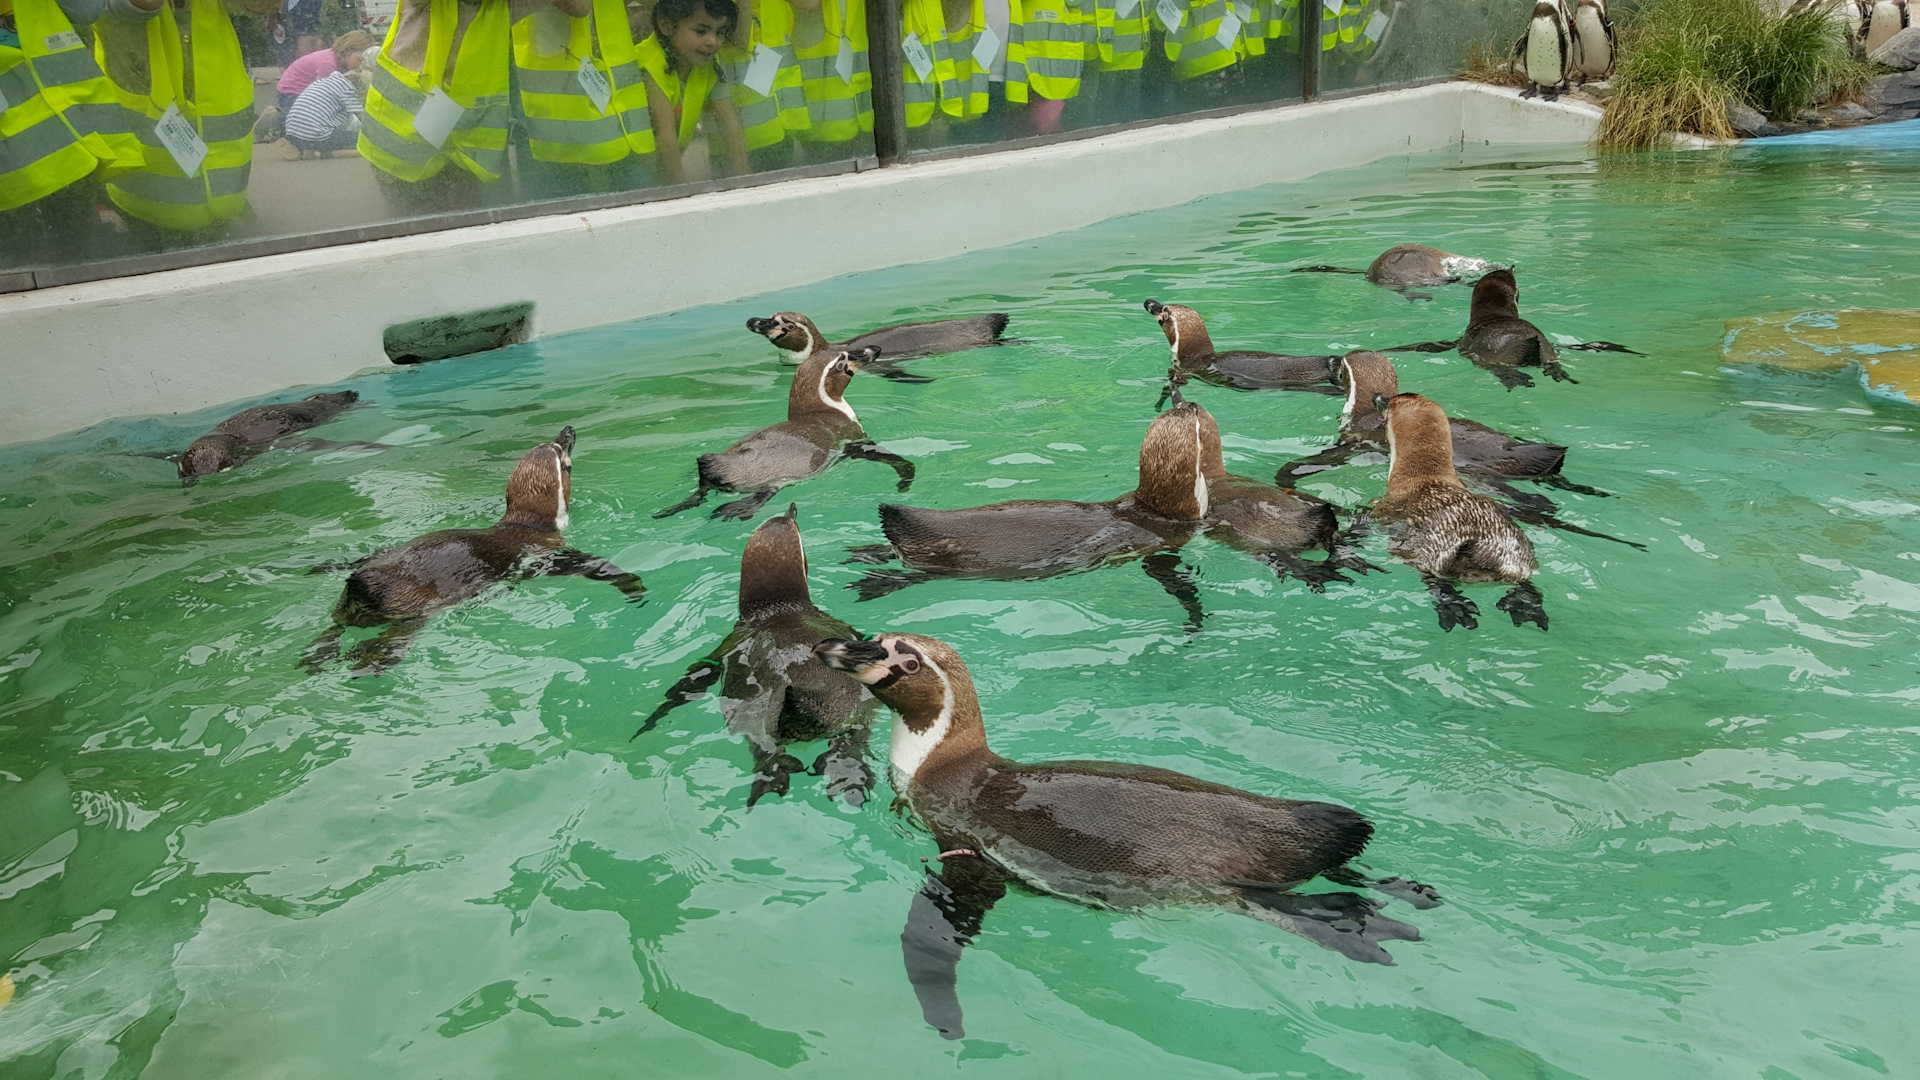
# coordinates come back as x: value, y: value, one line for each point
x: 679, y: 65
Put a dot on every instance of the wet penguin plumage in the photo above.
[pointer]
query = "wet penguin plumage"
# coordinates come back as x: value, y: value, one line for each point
x: 820, y: 428
x: 400, y: 587
x: 770, y: 690
x: 1099, y: 833
x: 797, y: 336
x: 1546, y: 52
x: 1592, y: 38
x: 249, y: 431
x: 1194, y: 358
x: 1405, y: 265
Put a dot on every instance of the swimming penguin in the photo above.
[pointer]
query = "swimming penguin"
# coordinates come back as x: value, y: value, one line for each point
x: 249, y: 431
x: 819, y: 429
x: 796, y: 335
x: 1592, y: 37
x: 1499, y: 341
x: 1037, y: 538
x: 771, y: 691
x: 400, y: 587
x: 1405, y: 265
x: 1546, y: 51
x: 1272, y: 525
x: 1104, y: 834
x: 1443, y: 530
x: 1193, y: 357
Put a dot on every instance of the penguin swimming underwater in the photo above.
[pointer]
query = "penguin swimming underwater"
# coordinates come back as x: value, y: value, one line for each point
x: 771, y: 691
x: 819, y: 429
x: 1441, y: 529
x: 795, y: 335
x: 1592, y: 38
x: 250, y: 431
x: 1500, y: 342
x: 1404, y: 265
x: 1036, y: 538
x: 1193, y: 357
x: 399, y: 588
x: 1104, y: 834
x: 1546, y: 51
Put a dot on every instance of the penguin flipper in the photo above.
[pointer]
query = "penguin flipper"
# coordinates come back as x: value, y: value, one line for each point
x: 1330, y: 458
x: 1556, y: 480
x: 1426, y: 346
x: 687, y: 503
x: 691, y: 687
x: 1528, y: 514
x: 894, y: 372
x: 1344, y: 922
x: 867, y: 450
x: 1164, y: 568
x: 335, y: 567
x: 378, y: 654
x: 1325, y: 270
x: 742, y: 509
x: 1451, y: 604
x: 1523, y: 602
x: 1603, y: 346
x: 870, y: 554
x: 569, y: 562
x: 944, y: 919
x: 878, y: 583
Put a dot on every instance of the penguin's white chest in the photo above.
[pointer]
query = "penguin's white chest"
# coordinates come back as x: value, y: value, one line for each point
x: 1885, y: 24
x: 1594, y: 51
x: 1546, y: 66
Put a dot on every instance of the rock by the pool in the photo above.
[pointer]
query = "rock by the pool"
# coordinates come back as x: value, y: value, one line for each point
x: 1882, y: 343
x: 1900, y: 52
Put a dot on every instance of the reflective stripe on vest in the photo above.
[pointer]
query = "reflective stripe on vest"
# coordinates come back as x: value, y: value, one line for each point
x: 478, y: 141
x: 837, y: 111
x: 562, y: 122
x: 1050, y: 42
x: 1280, y: 17
x: 969, y: 97
x: 765, y: 120
x: 925, y: 20
x: 1343, y: 32
x: 690, y: 96
x: 1199, y: 50
x: 41, y: 151
x: 220, y: 110
x: 70, y: 80
x: 1121, y: 43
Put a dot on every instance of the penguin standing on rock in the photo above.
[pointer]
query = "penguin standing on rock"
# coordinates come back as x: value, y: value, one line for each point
x: 1546, y: 52
x: 1592, y: 35
x: 772, y: 692
x: 1099, y: 833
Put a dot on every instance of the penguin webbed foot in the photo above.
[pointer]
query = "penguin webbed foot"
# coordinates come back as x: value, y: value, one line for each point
x: 1555, y: 480
x: 1510, y: 377
x: 742, y: 509
x: 380, y: 653
x: 1559, y: 374
x: 1411, y: 294
x: 1452, y: 605
x: 1343, y: 922
x: 1530, y: 92
x: 868, y: 451
x: 944, y: 919
x: 1164, y: 568
x: 687, y: 503
x: 324, y: 650
x: 869, y: 555
x: 878, y: 583
x: 1413, y: 892
x: 571, y: 562
x: 1314, y: 575
x: 1524, y: 603
x: 844, y: 764
x: 773, y: 773
x: 1330, y: 458
x: 1603, y: 346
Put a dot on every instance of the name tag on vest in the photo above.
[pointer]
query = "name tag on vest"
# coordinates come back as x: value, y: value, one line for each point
x: 843, y: 61
x: 760, y: 73
x: 436, y: 118
x: 1229, y: 30
x: 986, y: 48
x: 62, y: 41
x: 176, y: 133
x: 1043, y: 15
x: 1124, y: 9
x: 594, y: 82
x: 917, y: 57
x: 1171, y: 15
x: 1333, y: 6
x: 1376, y: 26
x: 1245, y: 11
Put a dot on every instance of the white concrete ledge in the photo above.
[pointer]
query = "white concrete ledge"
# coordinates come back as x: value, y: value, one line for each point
x: 188, y: 339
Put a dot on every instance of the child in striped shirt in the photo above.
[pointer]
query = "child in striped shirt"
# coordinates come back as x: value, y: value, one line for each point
x: 325, y: 118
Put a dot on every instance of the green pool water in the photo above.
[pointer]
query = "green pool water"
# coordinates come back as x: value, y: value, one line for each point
x: 1678, y: 835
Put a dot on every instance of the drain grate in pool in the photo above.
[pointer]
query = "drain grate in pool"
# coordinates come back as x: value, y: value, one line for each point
x: 445, y: 336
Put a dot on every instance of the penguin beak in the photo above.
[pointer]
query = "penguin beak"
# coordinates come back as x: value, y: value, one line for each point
x: 1380, y: 404
x: 1154, y: 308
x: 863, y: 357
x: 761, y: 326
x: 865, y: 660
x: 564, y: 441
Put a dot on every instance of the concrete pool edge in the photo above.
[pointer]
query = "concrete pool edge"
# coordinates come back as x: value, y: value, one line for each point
x: 187, y: 339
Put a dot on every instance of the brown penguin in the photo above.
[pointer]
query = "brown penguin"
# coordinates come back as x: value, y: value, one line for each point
x: 249, y: 431
x: 795, y: 334
x: 1036, y: 538
x: 771, y: 691
x: 1405, y: 265
x: 1443, y: 530
x: 820, y: 427
x: 400, y: 587
x: 1193, y: 357
x: 1498, y: 340
x: 1099, y: 833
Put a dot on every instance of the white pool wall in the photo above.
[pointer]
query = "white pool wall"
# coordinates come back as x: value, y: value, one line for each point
x: 183, y: 340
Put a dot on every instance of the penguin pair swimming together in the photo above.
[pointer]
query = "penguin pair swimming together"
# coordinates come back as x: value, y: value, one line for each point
x: 1404, y: 266
x: 1500, y: 342
x: 1100, y: 833
x: 797, y: 336
x: 248, y: 432
x: 1184, y: 489
x: 771, y: 691
x: 1194, y: 358
x: 399, y: 588
x: 820, y: 429
x: 1562, y: 45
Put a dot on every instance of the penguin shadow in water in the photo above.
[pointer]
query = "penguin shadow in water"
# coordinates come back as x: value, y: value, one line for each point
x: 795, y: 335
x: 1484, y: 457
x: 1500, y: 342
x: 1404, y: 266
x: 771, y: 691
x: 399, y: 588
x: 1194, y: 358
x: 1104, y: 834
x: 251, y: 432
x: 1028, y: 539
x: 1447, y: 533
x: 820, y: 427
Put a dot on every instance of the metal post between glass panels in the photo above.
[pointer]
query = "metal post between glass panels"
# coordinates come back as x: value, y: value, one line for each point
x: 889, y: 91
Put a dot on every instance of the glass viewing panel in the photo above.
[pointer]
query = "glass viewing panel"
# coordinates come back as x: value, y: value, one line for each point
x: 1389, y: 42
x: 130, y: 127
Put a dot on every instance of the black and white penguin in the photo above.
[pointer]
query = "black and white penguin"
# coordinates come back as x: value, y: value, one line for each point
x: 795, y: 335
x: 820, y: 428
x: 772, y: 692
x: 400, y: 587
x: 1194, y: 358
x: 1405, y: 265
x: 1592, y: 36
x: 250, y: 431
x: 1499, y: 341
x: 1546, y: 52
x: 1438, y: 527
x: 1885, y: 19
x: 1099, y: 833
x: 1037, y: 538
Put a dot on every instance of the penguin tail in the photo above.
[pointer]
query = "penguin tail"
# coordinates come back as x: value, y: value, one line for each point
x: 1325, y: 270
x: 998, y: 322
x: 1339, y: 833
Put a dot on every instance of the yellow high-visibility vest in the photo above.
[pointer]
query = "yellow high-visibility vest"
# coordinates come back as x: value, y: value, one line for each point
x: 966, y: 97
x: 1200, y: 49
x: 1345, y: 31
x: 838, y: 110
x: 563, y: 123
x: 219, y: 111
x: 1281, y: 16
x: 1121, y: 40
x: 51, y: 74
x: 765, y: 119
x: 925, y: 22
x: 689, y: 96
x: 396, y: 96
x: 1047, y: 47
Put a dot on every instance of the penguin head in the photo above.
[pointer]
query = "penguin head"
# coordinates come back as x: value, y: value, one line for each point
x: 1174, y: 460
x: 1186, y: 331
x: 790, y: 331
x: 542, y: 485
x: 343, y: 398
x: 1419, y: 439
x: 773, y: 569
x: 1369, y: 379
x: 924, y: 681
x: 841, y: 368
x: 821, y: 382
x: 209, y: 454
x: 1496, y: 294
